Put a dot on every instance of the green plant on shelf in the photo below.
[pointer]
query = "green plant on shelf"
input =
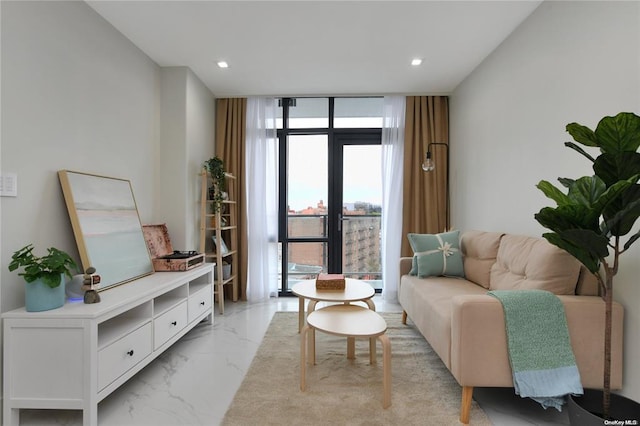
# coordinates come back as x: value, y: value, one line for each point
x: 215, y: 167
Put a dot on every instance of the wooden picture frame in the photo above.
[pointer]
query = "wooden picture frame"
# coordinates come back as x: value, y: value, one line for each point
x: 106, y: 226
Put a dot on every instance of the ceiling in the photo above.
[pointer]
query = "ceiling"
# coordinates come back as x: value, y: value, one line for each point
x: 319, y: 47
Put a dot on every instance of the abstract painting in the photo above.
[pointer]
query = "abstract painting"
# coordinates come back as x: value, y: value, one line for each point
x: 106, y: 226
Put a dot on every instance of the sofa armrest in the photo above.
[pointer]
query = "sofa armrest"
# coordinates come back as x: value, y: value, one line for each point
x: 405, y: 265
x: 478, y: 342
x: 479, y: 354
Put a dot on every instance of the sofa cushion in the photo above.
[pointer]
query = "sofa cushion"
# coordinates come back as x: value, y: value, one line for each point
x: 436, y: 254
x: 587, y: 283
x: 533, y: 263
x: 479, y: 252
x: 427, y: 301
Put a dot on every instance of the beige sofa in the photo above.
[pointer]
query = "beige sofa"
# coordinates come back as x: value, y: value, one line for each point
x: 466, y: 328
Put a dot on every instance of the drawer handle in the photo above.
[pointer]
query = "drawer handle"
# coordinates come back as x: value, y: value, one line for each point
x: 202, y: 303
x: 130, y: 353
x: 174, y: 323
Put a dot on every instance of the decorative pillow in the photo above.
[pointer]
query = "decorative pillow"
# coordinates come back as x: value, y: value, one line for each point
x: 436, y: 254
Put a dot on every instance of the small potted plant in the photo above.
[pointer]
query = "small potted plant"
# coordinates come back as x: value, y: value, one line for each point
x: 44, y: 276
x: 215, y: 167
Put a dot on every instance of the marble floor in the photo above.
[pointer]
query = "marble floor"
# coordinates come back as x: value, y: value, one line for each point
x: 194, y: 382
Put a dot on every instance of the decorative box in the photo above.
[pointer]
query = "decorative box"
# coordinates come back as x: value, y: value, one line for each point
x: 164, y: 258
x: 330, y: 282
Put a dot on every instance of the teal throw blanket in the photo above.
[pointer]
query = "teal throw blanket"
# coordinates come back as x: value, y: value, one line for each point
x: 542, y: 361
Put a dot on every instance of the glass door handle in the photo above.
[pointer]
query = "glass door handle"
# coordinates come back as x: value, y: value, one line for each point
x: 340, y: 219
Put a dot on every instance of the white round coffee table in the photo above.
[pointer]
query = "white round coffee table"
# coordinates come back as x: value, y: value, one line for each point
x: 354, y: 291
x: 350, y: 321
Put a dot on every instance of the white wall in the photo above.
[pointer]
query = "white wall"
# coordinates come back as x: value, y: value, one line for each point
x: 200, y: 147
x: 173, y: 130
x: 569, y: 61
x: 78, y: 95
x: 187, y: 137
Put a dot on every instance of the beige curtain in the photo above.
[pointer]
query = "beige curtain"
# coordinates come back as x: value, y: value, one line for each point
x: 230, y: 147
x: 424, y: 207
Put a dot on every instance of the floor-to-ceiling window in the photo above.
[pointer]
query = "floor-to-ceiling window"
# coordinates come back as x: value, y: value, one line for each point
x: 330, y: 188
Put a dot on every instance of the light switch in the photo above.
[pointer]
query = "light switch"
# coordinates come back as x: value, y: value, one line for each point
x: 9, y: 184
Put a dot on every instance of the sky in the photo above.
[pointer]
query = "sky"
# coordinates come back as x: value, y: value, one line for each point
x: 308, y: 172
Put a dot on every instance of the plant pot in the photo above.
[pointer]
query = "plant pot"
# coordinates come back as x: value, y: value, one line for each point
x: 40, y: 297
x: 586, y: 410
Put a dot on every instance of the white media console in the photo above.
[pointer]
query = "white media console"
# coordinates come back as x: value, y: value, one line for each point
x: 74, y: 356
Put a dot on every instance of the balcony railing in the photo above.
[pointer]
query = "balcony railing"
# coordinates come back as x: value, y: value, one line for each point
x: 307, y: 259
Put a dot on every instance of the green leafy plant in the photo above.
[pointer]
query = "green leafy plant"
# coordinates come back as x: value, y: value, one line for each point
x: 597, y: 211
x: 48, y: 268
x: 215, y: 167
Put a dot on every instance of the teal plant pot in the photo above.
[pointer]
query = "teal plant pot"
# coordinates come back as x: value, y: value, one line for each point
x: 40, y: 297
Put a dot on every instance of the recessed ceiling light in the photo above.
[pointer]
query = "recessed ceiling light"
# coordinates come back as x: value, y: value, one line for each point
x: 416, y: 61
x: 223, y: 64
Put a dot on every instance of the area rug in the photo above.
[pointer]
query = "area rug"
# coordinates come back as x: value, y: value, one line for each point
x: 342, y: 391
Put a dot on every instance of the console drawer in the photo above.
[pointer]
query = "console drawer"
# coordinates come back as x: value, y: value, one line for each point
x: 117, y: 358
x: 199, y: 302
x: 169, y: 324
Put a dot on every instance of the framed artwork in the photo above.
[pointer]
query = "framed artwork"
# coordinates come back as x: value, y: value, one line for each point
x: 106, y: 226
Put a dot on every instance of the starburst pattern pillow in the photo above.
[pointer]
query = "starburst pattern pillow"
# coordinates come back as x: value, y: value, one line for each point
x: 436, y: 254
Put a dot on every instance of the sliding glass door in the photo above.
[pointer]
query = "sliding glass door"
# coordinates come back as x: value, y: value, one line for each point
x: 330, y: 192
x: 361, y: 209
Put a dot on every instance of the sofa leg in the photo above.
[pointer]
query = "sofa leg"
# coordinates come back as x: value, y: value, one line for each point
x: 404, y: 317
x: 465, y: 406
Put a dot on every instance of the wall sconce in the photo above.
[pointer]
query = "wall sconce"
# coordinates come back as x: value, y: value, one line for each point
x: 429, y: 165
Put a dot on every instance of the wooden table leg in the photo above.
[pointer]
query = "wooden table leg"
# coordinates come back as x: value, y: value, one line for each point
x: 311, y: 342
x: 386, y: 370
x: 370, y: 304
x: 303, y: 357
x: 300, y: 313
x: 351, y: 347
x: 372, y: 351
x: 372, y: 341
x: 312, y: 334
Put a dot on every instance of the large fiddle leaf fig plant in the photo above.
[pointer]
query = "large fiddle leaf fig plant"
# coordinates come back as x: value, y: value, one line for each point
x: 595, y: 219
